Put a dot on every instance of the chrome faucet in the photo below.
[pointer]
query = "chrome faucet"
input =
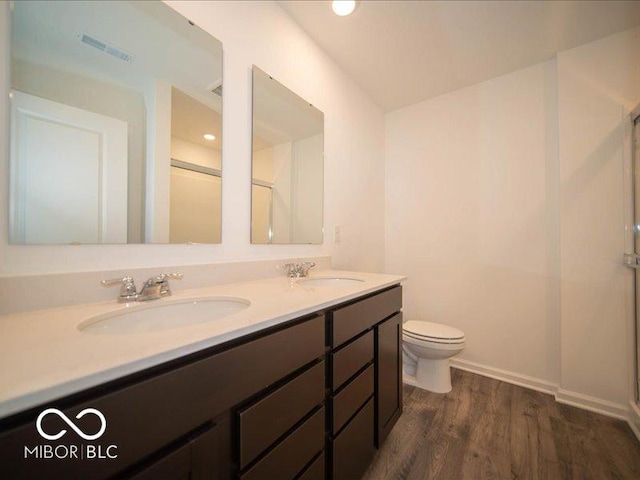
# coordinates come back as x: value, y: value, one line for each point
x: 127, y: 288
x: 305, y: 267
x: 297, y: 270
x: 155, y: 287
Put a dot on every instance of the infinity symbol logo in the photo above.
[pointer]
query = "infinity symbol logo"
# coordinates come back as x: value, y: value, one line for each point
x: 71, y: 424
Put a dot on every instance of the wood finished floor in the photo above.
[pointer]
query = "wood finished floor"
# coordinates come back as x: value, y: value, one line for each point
x: 488, y: 429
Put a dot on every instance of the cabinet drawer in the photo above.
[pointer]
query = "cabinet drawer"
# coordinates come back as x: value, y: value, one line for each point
x: 351, y: 358
x: 264, y: 422
x: 150, y: 414
x: 353, y: 449
x: 290, y: 456
x: 349, y: 321
x: 351, y: 398
x: 315, y: 471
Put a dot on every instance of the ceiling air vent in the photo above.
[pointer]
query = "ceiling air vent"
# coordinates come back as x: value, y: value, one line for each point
x: 106, y: 48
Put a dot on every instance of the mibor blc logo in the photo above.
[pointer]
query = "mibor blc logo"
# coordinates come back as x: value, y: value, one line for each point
x: 98, y: 413
x: 71, y: 451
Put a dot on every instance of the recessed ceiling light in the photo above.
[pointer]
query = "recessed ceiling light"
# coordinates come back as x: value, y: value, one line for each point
x: 208, y: 136
x: 343, y: 7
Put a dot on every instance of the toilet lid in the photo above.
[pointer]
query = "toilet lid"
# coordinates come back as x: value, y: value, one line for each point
x: 432, y: 331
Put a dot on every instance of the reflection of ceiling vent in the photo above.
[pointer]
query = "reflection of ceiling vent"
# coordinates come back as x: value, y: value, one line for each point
x: 106, y: 47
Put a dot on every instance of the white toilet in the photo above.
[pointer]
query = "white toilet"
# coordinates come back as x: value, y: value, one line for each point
x: 426, y: 350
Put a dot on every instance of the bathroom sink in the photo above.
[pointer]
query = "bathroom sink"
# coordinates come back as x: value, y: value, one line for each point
x: 329, y: 281
x: 163, y: 315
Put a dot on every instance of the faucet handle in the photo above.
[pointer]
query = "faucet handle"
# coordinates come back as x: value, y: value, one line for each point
x: 162, y: 278
x: 306, y: 266
x: 292, y: 269
x: 127, y: 288
x: 297, y: 270
x: 163, y: 281
x: 176, y: 276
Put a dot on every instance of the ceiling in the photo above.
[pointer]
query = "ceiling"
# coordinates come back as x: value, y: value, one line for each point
x: 403, y: 52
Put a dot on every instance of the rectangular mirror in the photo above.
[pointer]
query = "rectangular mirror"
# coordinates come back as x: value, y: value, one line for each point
x: 288, y: 165
x: 115, y: 125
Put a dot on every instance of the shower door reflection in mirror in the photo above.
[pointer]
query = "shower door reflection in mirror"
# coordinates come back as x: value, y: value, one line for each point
x: 196, y: 172
x: 115, y: 124
x: 288, y: 165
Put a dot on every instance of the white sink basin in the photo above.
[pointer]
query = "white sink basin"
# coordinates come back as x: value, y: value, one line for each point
x: 163, y: 315
x: 329, y: 281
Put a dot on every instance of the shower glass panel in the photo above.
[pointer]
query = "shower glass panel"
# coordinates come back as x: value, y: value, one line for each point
x: 194, y: 210
x: 261, y: 213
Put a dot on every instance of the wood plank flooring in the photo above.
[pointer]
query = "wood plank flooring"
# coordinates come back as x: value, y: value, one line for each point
x: 488, y: 429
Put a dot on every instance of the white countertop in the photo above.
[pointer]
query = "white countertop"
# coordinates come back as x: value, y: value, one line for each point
x: 43, y: 355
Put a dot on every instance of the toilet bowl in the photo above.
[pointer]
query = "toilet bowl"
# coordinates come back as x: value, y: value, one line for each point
x: 426, y: 350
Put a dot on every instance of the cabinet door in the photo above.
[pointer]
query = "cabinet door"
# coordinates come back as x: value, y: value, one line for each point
x: 352, y: 450
x: 203, y: 457
x: 211, y: 452
x: 174, y: 466
x: 388, y: 375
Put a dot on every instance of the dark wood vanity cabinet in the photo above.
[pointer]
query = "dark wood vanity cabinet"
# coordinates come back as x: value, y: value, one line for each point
x: 167, y: 415
x: 364, y: 380
x: 307, y: 400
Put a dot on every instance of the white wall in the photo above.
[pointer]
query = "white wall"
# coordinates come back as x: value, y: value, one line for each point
x: 469, y: 221
x: 259, y: 33
x: 281, y: 192
x: 598, y: 84
x: 506, y: 209
x: 158, y: 166
x: 307, y: 185
x: 263, y: 165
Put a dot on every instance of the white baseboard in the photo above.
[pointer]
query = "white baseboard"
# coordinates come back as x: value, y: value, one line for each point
x: 592, y: 404
x: 575, y: 399
x: 505, y: 376
x: 634, y: 419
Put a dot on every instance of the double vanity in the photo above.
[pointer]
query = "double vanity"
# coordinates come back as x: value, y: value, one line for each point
x: 276, y: 378
x: 273, y: 378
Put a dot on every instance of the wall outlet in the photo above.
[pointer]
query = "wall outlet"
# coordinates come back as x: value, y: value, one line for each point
x: 336, y: 234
